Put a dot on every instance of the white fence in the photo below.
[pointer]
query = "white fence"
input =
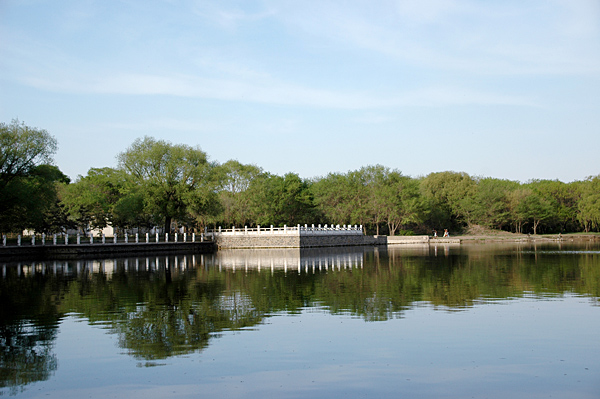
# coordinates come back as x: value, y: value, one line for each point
x: 78, y: 239
x: 297, y: 230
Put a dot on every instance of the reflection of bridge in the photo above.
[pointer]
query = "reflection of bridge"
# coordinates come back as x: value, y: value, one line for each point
x: 287, y: 259
x: 284, y: 259
x: 174, y: 264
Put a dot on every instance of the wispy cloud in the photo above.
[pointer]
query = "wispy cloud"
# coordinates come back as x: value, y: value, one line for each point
x: 269, y: 92
x: 227, y: 15
x: 491, y: 38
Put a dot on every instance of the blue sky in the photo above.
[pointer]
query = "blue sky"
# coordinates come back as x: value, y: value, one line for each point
x: 507, y: 89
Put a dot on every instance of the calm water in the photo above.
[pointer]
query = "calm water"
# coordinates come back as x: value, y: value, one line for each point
x: 485, y: 321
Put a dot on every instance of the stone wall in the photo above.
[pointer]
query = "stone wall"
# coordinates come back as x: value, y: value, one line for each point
x: 74, y: 251
x: 296, y: 241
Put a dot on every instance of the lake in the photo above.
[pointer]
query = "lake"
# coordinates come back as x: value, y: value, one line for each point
x: 453, y: 321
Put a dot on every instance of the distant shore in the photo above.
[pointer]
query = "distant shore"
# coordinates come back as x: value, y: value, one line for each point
x: 503, y: 236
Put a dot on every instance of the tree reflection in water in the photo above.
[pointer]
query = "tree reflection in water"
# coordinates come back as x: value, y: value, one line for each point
x: 173, y: 305
x: 28, y: 329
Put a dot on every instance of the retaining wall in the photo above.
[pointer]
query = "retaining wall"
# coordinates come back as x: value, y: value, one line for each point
x: 296, y: 241
x: 99, y: 250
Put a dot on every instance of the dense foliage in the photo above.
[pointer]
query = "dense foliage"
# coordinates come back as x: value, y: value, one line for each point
x: 157, y: 183
x: 29, y: 184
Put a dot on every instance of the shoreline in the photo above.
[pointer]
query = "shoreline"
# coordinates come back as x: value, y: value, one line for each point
x: 515, y: 237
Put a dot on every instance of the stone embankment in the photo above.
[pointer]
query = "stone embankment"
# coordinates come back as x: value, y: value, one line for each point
x: 75, y: 251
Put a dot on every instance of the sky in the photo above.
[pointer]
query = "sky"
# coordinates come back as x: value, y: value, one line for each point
x: 503, y: 89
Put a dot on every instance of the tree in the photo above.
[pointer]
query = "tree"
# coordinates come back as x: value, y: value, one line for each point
x: 539, y: 209
x: 22, y: 148
x: 91, y: 199
x: 451, y: 196
x: 517, y: 208
x: 332, y: 197
x: 28, y: 181
x: 491, y: 202
x: 281, y: 200
x: 167, y: 175
x: 406, y: 206
x: 234, y: 181
x: 563, y: 198
x: 588, y: 209
x: 527, y: 206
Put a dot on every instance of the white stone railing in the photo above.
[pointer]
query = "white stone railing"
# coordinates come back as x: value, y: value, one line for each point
x: 297, y: 230
x: 79, y: 239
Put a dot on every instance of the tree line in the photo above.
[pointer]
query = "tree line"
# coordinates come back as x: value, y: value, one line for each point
x: 157, y: 183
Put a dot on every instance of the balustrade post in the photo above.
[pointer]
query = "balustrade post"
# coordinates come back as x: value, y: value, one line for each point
x: 156, y: 237
x: 258, y: 228
x: 285, y: 228
x: 194, y: 237
x: 126, y: 238
x: 166, y: 237
x: 66, y: 239
x: 245, y: 229
x: 147, y: 238
x: 175, y: 237
x: 184, y: 237
x: 54, y: 239
x: 115, y: 237
x: 3, y: 240
x: 33, y: 239
x: 271, y: 228
x: 219, y: 229
x: 91, y: 238
x: 137, y: 238
x: 78, y: 239
x: 103, y: 238
x: 43, y: 238
x: 233, y: 229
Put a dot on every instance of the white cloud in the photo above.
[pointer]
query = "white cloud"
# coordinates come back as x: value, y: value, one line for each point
x: 490, y: 38
x: 267, y: 91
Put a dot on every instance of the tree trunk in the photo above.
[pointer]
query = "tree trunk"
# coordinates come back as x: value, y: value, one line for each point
x: 167, y: 224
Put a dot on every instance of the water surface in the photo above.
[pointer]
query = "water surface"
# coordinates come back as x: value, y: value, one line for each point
x: 483, y: 321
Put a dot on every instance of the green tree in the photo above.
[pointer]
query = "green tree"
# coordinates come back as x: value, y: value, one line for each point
x: 529, y: 207
x: 168, y: 176
x: 491, y: 202
x: 333, y: 198
x: 22, y: 148
x: 517, y: 208
x: 234, y: 181
x: 281, y: 200
x: 451, y: 197
x: 90, y: 201
x: 589, y: 206
x: 406, y: 206
x: 563, y: 198
x: 28, y: 181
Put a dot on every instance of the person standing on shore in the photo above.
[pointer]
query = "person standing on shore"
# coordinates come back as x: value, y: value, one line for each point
x: 446, y: 234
